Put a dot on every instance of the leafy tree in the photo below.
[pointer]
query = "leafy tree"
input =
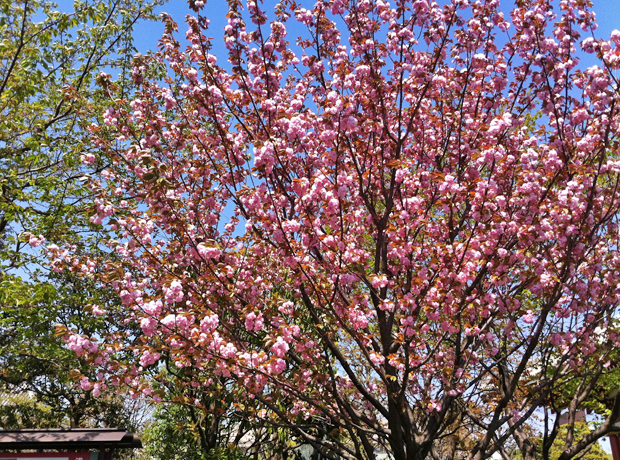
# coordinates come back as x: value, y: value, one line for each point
x: 168, y: 435
x: 595, y: 452
x: 172, y: 434
x: 51, y: 87
x: 207, y: 423
x: 596, y: 385
x: 368, y: 232
x: 22, y: 410
x: 51, y: 63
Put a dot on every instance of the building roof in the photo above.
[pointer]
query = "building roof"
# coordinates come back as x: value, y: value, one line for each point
x: 75, y: 438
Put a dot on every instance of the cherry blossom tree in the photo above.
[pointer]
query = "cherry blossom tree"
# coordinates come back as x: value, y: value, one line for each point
x: 395, y: 231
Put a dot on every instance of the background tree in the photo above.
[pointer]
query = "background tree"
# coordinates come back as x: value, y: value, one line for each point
x: 173, y: 433
x: 594, y: 452
x: 51, y: 88
x: 170, y: 434
x: 51, y: 61
x: 211, y: 422
x: 368, y: 231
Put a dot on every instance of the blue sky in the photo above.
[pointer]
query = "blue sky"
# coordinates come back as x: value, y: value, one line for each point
x: 147, y: 34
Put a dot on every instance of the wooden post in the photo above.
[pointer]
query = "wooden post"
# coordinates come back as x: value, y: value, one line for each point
x: 614, y: 440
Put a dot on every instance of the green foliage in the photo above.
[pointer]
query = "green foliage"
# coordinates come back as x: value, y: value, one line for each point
x: 23, y: 410
x: 599, y: 400
x: 173, y: 435
x: 49, y: 93
x: 595, y: 452
x: 229, y: 452
x: 208, y: 424
x: 168, y: 436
